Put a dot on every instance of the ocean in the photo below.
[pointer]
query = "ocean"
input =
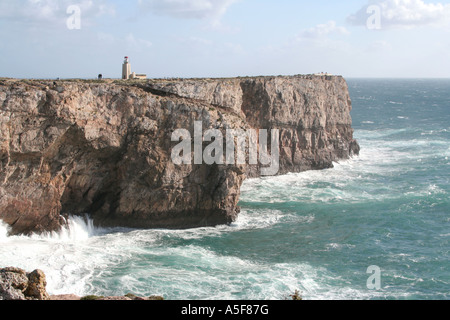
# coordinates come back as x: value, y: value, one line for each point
x: 375, y: 227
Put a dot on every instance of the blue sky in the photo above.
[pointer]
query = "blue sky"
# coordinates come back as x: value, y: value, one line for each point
x: 224, y: 38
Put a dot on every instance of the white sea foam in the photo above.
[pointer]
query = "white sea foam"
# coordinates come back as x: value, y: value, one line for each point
x: 395, y: 102
x: 354, y: 180
x: 67, y: 257
x: 4, y: 229
x: 341, y: 183
x: 81, y: 255
x: 77, y: 229
x: 83, y: 262
x: 432, y: 132
x: 198, y: 273
x: 338, y: 246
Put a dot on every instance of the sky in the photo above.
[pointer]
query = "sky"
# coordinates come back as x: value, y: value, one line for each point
x: 224, y: 38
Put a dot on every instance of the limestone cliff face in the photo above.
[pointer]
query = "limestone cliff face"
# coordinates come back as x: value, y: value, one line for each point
x: 104, y: 148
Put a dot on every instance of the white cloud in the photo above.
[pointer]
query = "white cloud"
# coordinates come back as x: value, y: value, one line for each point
x: 136, y: 44
x: 322, y: 31
x: 131, y: 42
x: 106, y: 38
x: 211, y: 10
x: 379, y: 46
x: 206, y: 47
x: 193, y: 41
x: 48, y: 13
x: 404, y: 14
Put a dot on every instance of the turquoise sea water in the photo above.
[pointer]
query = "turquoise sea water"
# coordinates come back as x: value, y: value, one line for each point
x: 316, y: 232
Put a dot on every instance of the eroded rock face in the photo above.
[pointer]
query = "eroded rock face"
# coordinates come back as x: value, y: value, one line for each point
x: 17, y: 284
x: 104, y: 148
x: 313, y: 115
x: 311, y: 112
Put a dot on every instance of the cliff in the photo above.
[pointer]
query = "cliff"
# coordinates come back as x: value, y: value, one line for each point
x: 105, y: 147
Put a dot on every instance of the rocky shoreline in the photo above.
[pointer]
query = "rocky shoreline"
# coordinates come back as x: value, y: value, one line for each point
x: 17, y: 284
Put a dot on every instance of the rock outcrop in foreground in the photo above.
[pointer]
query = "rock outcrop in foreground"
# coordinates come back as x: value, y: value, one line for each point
x: 17, y: 284
x: 104, y: 147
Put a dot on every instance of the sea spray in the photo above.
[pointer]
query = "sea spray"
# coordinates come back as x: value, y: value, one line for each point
x: 63, y: 255
x: 4, y: 229
x: 77, y: 228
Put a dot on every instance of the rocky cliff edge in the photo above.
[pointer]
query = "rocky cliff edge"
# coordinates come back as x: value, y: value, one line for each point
x: 104, y: 148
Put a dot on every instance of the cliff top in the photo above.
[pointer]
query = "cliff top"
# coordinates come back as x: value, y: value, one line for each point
x: 4, y: 80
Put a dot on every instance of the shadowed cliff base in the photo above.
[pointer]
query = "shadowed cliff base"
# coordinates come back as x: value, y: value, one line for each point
x: 103, y: 147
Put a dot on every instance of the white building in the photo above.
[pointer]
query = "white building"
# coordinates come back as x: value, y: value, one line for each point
x: 126, y: 71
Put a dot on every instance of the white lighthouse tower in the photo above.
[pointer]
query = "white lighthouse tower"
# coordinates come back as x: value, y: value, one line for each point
x: 126, y: 69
